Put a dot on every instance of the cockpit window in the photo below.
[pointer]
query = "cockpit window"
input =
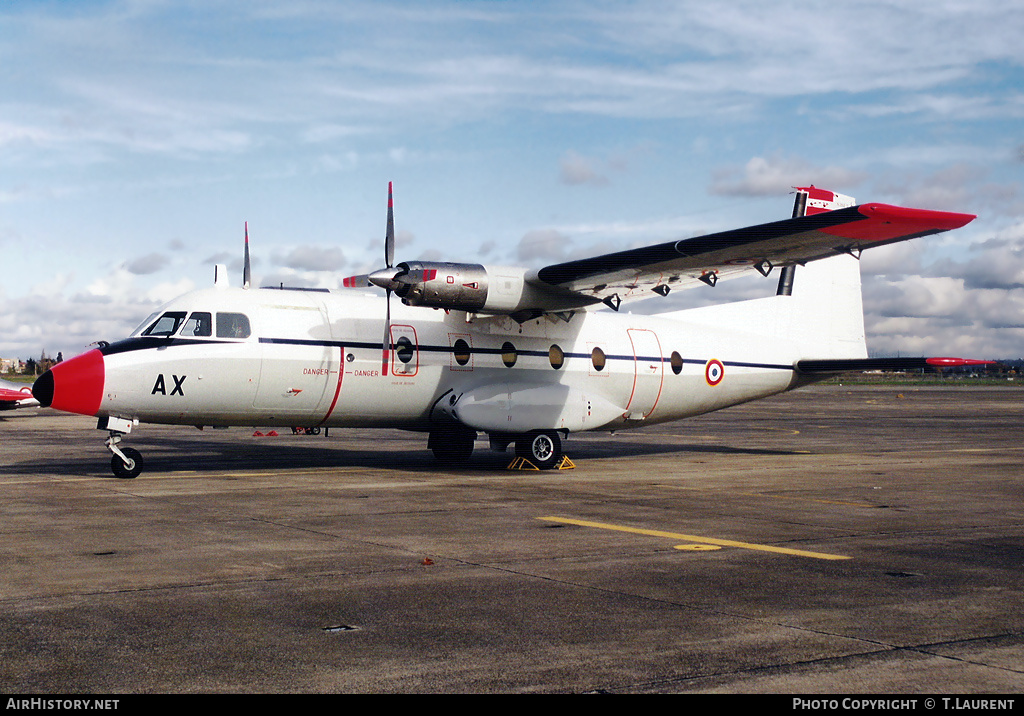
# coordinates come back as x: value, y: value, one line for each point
x: 145, y: 324
x: 166, y: 325
x: 199, y: 323
x: 233, y: 325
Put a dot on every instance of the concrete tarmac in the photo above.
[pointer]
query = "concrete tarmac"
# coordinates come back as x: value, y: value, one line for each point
x: 831, y: 540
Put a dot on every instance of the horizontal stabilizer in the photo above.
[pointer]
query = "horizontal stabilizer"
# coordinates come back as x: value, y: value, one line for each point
x: 852, y: 365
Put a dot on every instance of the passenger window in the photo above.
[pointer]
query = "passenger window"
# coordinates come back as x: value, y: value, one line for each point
x: 404, y: 349
x: 461, y: 352
x: 556, y: 356
x: 508, y: 354
x: 597, y: 357
x: 677, y: 363
x: 166, y: 325
x: 198, y: 324
x: 232, y: 325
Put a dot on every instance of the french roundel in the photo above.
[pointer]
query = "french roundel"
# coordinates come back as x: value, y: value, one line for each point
x: 714, y: 371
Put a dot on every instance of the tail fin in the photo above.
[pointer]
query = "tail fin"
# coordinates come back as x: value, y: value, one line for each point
x: 811, y: 200
x: 823, y: 317
x: 818, y: 306
x: 825, y: 312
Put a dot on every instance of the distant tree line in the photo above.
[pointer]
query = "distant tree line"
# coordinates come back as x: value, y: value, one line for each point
x: 32, y: 366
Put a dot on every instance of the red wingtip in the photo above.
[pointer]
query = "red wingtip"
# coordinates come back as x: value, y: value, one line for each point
x: 925, y: 218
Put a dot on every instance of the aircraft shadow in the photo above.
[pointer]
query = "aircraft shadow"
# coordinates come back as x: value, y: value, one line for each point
x: 171, y: 454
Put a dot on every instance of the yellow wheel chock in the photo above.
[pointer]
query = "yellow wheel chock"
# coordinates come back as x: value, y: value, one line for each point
x: 521, y: 463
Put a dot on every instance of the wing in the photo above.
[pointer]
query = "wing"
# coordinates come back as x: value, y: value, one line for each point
x: 825, y: 224
x: 634, y: 274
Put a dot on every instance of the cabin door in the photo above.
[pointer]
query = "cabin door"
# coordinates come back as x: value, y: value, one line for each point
x: 298, y: 365
x: 649, y: 372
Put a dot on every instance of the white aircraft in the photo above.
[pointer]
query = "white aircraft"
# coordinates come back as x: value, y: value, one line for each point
x: 16, y: 395
x: 517, y: 354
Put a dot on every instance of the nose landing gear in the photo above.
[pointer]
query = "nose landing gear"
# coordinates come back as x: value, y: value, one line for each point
x: 126, y: 463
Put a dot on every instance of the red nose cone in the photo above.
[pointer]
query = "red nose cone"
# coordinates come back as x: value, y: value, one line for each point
x: 74, y: 386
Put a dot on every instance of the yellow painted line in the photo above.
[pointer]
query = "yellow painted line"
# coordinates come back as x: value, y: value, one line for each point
x: 211, y: 477
x: 697, y: 547
x: 790, y: 431
x: 806, y: 499
x: 695, y: 538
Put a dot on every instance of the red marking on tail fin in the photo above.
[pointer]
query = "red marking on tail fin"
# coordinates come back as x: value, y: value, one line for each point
x: 953, y: 362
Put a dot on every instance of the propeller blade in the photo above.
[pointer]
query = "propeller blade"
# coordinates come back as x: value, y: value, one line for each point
x: 389, y: 236
x: 387, y: 336
x: 360, y: 281
x: 387, y: 281
x: 247, y: 269
x: 385, y: 277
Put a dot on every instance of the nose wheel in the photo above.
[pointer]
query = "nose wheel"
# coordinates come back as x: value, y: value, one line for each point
x: 126, y: 463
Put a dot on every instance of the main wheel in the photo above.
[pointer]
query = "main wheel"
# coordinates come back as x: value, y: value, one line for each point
x: 542, y: 447
x: 452, y: 444
x: 132, y: 469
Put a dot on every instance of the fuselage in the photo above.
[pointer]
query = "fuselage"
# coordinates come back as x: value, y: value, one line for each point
x: 267, y: 357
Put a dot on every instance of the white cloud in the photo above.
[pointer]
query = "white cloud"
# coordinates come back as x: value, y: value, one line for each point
x: 542, y: 246
x: 777, y: 175
x: 315, y: 258
x: 150, y: 263
x: 576, y: 169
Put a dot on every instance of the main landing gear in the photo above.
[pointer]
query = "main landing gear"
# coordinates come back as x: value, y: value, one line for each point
x: 543, y: 448
x: 452, y: 444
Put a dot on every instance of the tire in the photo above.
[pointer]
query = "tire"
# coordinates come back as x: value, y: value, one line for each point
x: 452, y: 445
x: 127, y: 472
x: 543, y: 448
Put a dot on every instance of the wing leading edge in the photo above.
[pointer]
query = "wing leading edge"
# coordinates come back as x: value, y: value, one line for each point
x: 633, y: 274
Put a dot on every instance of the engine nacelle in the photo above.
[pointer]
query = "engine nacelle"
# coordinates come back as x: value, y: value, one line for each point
x: 462, y: 287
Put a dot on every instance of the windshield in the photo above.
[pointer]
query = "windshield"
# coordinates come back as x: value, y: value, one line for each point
x: 166, y: 325
x: 198, y: 324
x: 144, y: 325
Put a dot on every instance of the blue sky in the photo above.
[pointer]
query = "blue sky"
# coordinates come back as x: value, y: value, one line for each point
x: 136, y: 138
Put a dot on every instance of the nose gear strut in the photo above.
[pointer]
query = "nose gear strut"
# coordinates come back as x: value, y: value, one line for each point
x: 126, y: 463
